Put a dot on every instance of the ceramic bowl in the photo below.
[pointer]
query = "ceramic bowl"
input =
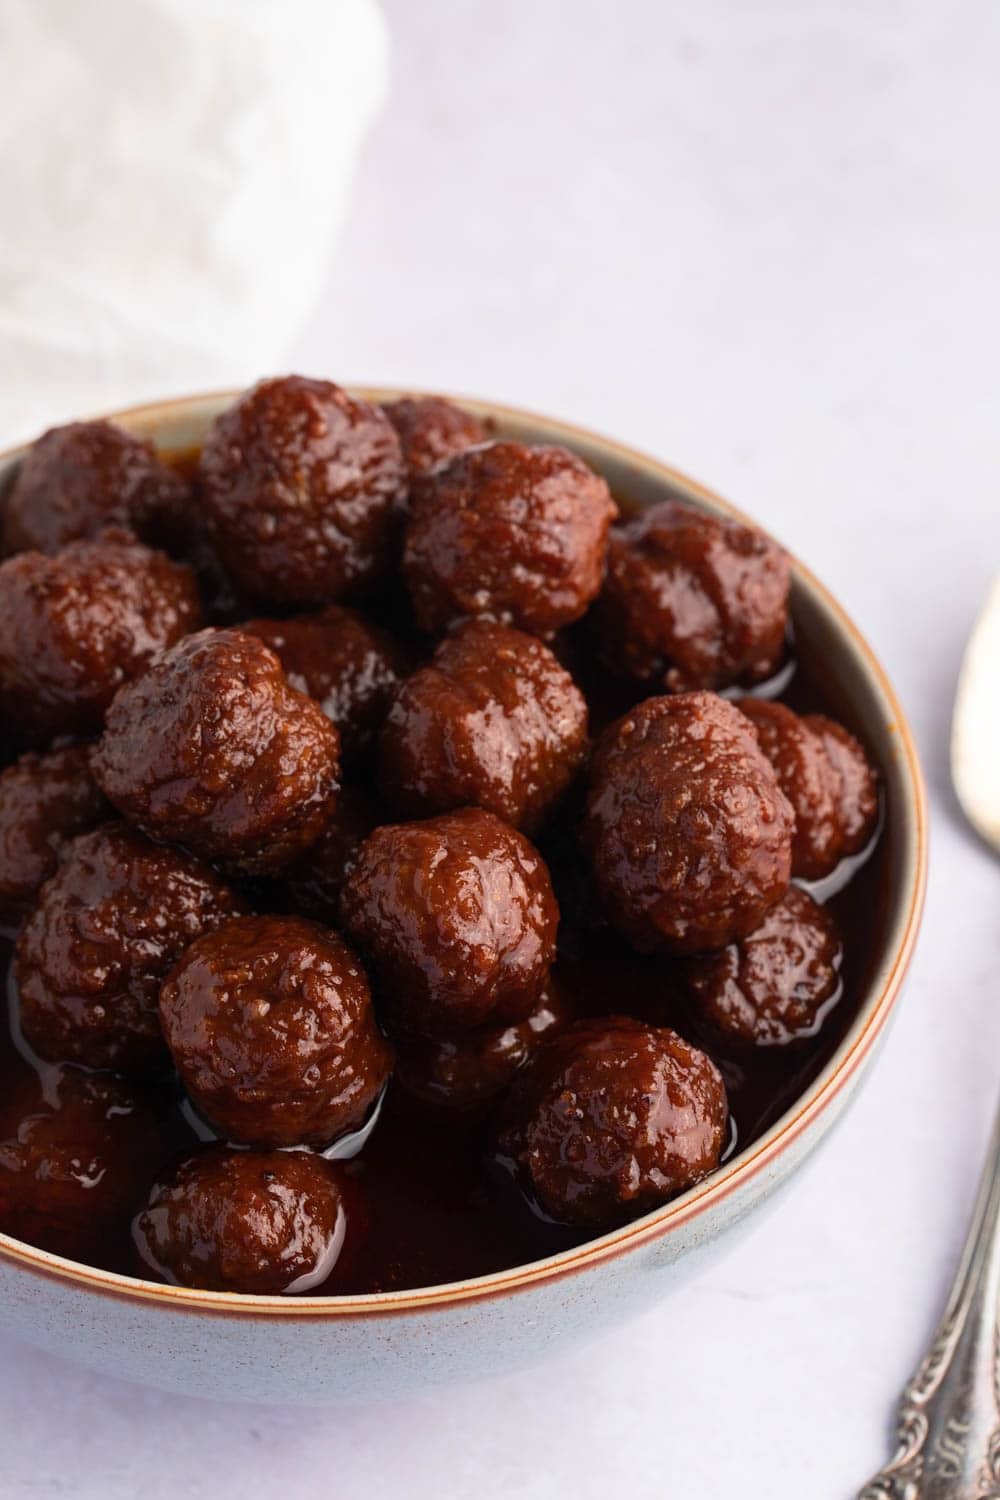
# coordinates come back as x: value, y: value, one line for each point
x: 310, y: 1349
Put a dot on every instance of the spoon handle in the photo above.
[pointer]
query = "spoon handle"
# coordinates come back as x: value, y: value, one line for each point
x: 948, y: 1427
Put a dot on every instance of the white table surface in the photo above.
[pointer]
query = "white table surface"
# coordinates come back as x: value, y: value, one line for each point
x: 760, y: 240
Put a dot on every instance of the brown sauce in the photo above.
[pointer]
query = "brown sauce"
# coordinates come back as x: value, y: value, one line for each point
x: 437, y: 1209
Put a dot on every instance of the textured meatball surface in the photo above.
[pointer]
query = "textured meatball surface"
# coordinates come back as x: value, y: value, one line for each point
x: 75, y: 1157
x: 107, y: 927
x: 245, y: 1221
x: 271, y: 1026
x: 302, y: 487
x: 855, y: 779
x: 493, y: 721
x: 431, y: 429
x: 828, y: 779
x: 213, y: 748
x: 688, y: 834
x: 465, y: 1075
x: 777, y: 984
x: 76, y: 480
x: 514, y: 532
x: 349, y: 666
x: 458, y: 919
x: 44, y: 800
x: 76, y: 626
x: 613, y: 1118
x: 693, y: 600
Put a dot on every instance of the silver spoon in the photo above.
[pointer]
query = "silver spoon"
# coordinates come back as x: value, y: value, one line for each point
x: 948, y: 1426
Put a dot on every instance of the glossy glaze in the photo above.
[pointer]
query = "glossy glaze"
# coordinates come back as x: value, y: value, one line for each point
x: 824, y: 772
x: 263, y: 1348
x: 85, y: 476
x: 270, y: 1024
x: 341, y: 659
x: 302, y: 485
x: 176, y: 747
x: 74, y: 628
x: 512, y: 532
x: 44, y: 800
x: 107, y: 927
x: 686, y: 832
x: 457, y: 919
x: 493, y: 720
x: 438, y: 1210
x: 692, y: 601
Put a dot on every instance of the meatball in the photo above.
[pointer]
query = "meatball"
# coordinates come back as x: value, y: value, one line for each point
x: 349, y: 666
x: 467, y: 1074
x: 688, y: 835
x: 493, y: 721
x: 271, y: 1026
x: 302, y: 487
x: 509, y: 531
x: 779, y: 983
x: 44, y: 800
x: 827, y: 778
x: 75, y: 1155
x: 74, y: 627
x: 314, y: 883
x: 693, y: 600
x: 458, y: 918
x: 245, y: 1221
x: 611, y: 1119
x: 213, y: 748
x: 108, y: 926
x: 76, y: 480
x: 431, y: 429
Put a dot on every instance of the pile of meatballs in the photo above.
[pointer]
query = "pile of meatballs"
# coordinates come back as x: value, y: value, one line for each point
x: 285, y: 736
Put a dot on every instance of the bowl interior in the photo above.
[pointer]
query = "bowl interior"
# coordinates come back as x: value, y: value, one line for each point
x: 852, y: 677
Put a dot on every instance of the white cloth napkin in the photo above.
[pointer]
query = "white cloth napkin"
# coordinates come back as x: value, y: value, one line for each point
x: 172, y: 176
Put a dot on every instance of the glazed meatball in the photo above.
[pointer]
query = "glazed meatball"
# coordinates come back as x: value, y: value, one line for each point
x: 271, y: 1026
x: 509, y: 531
x: 458, y: 918
x: 245, y: 1221
x: 348, y: 665
x: 776, y: 985
x: 431, y: 430
x: 108, y: 925
x: 77, y: 480
x: 74, y: 627
x: 493, y: 721
x: 302, y: 487
x: 44, y: 800
x: 688, y: 834
x: 827, y: 778
x: 213, y: 749
x: 314, y: 883
x: 612, y: 1119
x: 693, y: 600
x: 467, y: 1074
x: 75, y: 1156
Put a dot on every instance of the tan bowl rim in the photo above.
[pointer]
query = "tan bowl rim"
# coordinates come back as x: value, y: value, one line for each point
x: 746, y: 1165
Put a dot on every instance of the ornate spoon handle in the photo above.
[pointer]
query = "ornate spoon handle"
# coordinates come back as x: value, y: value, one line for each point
x: 948, y: 1430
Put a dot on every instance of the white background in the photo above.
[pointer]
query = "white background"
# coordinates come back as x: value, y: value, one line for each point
x: 761, y: 241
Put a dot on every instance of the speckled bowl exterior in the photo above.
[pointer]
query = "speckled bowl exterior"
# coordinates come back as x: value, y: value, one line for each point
x: 313, y: 1349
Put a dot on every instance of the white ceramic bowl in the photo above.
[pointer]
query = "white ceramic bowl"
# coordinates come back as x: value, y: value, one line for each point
x: 314, y: 1349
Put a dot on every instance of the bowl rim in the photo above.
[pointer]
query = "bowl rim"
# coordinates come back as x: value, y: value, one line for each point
x: 850, y: 1054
